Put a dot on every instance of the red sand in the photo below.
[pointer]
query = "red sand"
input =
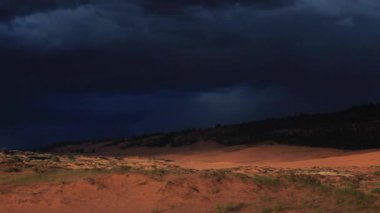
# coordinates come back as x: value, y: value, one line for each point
x: 208, y: 155
x: 138, y: 193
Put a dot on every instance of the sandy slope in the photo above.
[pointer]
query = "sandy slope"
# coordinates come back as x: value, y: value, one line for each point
x: 185, y: 193
x: 126, y: 193
x: 204, y: 189
x: 295, y: 157
x: 209, y: 155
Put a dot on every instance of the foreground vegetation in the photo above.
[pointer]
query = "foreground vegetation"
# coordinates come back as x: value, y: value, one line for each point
x: 241, y: 189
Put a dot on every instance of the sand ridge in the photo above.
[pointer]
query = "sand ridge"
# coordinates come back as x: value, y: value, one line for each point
x: 205, y: 177
x: 207, y: 155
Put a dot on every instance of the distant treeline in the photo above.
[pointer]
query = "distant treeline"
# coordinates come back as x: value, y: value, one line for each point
x: 354, y: 128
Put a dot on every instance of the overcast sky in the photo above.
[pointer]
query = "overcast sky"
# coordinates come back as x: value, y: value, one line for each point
x: 78, y: 69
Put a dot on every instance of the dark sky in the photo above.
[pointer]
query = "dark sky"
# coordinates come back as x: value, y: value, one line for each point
x: 78, y: 69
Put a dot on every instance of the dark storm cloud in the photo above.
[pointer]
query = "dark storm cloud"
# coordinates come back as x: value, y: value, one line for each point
x: 96, y: 69
x: 147, y: 51
x: 10, y: 9
x: 177, y: 6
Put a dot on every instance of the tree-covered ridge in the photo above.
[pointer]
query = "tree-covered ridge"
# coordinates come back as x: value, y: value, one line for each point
x: 355, y: 128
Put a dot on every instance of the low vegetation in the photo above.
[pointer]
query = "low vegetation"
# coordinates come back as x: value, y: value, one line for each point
x: 304, y: 180
x: 257, y: 189
x: 266, y: 180
x: 229, y: 207
x: 57, y: 176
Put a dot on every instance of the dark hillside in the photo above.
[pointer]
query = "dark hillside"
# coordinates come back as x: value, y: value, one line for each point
x: 354, y: 128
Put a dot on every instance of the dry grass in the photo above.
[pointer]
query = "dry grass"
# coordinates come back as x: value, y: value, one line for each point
x: 268, y: 190
x: 229, y: 207
x: 58, y: 176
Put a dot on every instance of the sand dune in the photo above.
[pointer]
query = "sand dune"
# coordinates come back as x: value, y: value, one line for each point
x: 262, y: 178
x: 208, y: 155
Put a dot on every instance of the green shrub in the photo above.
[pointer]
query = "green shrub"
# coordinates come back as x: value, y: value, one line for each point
x: 266, y: 180
x: 156, y: 174
x: 376, y: 191
x: 15, y: 159
x: 12, y: 169
x: 244, y: 177
x: 278, y: 207
x: 353, y: 196
x: 267, y: 210
x: 72, y: 157
x: 305, y: 180
x: 55, y: 158
x: 229, y: 207
x: 217, y: 175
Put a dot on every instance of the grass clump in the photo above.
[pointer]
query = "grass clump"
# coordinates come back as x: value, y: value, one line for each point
x: 267, y: 210
x: 305, y: 180
x: 156, y: 174
x: 217, y: 175
x: 266, y: 180
x: 376, y: 191
x: 244, y: 177
x: 215, y: 190
x: 12, y: 170
x: 56, y: 176
x: 72, y: 157
x: 353, y: 197
x: 15, y: 159
x: 126, y: 168
x: 157, y: 210
x: 55, y: 158
x: 278, y: 207
x: 229, y: 207
x: 158, y: 171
